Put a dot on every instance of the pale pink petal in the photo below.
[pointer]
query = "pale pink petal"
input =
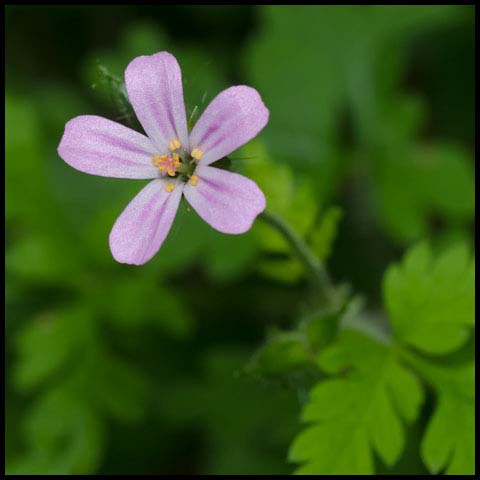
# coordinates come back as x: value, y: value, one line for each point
x: 232, y: 118
x: 154, y: 87
x: 229, y: 202
x: 142, y: 227
x: 99, y: 146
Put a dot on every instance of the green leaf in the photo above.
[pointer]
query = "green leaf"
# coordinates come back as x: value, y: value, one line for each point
x: 118, y: 388
x: 356, y: 411
x: 24, y: 164
x: 136, y: 300
x: 450, y: 436
x: 48, y: 343
x: 287, y: 195
x: 449, y: 442
x: 352, y: 61
x: 283, y: 352
x: 288, y: 270
x: 421, y: 182
x: 430, y: 300
x: 227, y: 257
x: 338, y: 56
x: 43, y: 258
x: 296, y: 350
x: 248, y: 441
x: 323, y: 235
x: 65, y: 436
x: 306, y: 141
x: 321, y: 328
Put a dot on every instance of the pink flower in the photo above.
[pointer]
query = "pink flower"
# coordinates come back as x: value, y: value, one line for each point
x: 176, y: 160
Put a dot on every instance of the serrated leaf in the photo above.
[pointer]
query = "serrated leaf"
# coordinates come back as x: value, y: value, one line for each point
x: 430, y: 300
x: 358, y: 411
x: 449, y: 442
x: 450, y: 437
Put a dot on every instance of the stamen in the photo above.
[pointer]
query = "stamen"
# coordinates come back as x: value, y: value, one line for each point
x: 193, y: 180
x: 170, y: 187
x: 174, y: 145
x: 167, y: 164
x: 197, y: 154
x: 157, y: 160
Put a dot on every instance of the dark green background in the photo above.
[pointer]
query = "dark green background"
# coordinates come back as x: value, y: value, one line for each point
x: 120, y: 369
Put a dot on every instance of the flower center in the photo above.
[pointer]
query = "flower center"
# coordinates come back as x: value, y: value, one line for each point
x: 167, y: 164
x: 178, y: 164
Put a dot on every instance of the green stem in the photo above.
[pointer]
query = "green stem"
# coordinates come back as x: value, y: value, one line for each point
x: 318, y: 274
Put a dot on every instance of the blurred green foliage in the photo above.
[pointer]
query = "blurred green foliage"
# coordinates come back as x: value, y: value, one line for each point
x: 205, y: 359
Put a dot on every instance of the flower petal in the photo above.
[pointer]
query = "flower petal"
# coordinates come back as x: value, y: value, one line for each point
x: 231, y: 119
x: 142, y: 227
x: 154, y: 87
x: 99, y: 146
x: 229, y: 202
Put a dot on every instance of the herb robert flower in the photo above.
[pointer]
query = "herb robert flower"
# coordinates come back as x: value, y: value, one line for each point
x: 177, y: 161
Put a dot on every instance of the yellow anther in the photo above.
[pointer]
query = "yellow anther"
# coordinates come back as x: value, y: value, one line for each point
x: 174, y: 145
x: 197, y: 154
x: 158, y: 159
x: 170, y: 187
x: 193, y: 180
x: 167, y: 164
